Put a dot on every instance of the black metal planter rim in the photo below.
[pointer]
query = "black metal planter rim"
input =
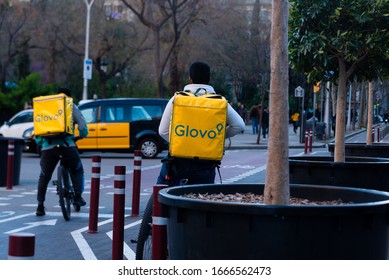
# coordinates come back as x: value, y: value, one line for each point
x: 364, y: 201
x: 350, y: 160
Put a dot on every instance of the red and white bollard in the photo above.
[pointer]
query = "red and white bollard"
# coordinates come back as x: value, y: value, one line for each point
x: 159, y: 228
x: 94, y: 194
x: 306, y: 142
x: 21, y: 246
x: 310, y: 140
x: 118, y: 212
x: 10, y: 164
x: 372, y: 134
x: 136, y: 183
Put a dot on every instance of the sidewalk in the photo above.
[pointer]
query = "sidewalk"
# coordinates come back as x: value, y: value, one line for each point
x: 248, y: 140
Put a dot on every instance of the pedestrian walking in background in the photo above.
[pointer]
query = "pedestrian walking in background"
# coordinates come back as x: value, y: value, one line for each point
x: 295, y: 120
x: 265, y: 122
x: 254, y: 117
x: 243, y: 112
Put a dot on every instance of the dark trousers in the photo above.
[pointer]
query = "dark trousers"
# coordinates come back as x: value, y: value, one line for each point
x: 295, y: 126
x: 70, y: 158
x: 265, y: 130
x: 187, y: 171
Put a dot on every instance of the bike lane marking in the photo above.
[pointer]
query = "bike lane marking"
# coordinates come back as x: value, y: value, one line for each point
x: 32, y: 225
x: 86, y: 250
x: 127, y: 251
x: 245, y: 175
x: 16, y: 217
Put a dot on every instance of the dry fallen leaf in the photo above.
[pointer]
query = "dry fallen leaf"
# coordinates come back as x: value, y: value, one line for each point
x: 258, y: 199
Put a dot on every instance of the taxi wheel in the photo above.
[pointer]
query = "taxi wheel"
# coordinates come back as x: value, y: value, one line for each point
x: 149, y: 147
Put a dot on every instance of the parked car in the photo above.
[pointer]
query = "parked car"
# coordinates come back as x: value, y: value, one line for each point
x: 18, y: 124
x: 21, y: 126
x: 124, y: 124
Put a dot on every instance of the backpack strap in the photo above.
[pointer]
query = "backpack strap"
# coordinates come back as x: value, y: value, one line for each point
x: 213, y: 95
x: 198, y: 90
x: 206, y: 95
x: 185, y: 93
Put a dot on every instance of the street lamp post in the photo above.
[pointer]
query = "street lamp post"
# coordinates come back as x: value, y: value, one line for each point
x: 87, y: 61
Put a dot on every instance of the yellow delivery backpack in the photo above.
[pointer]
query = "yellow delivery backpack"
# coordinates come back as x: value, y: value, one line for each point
x: 53, y: 115
x: 197, y: 126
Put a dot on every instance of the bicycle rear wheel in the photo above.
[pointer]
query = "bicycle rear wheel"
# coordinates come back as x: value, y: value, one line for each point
x: 144, y: 244
x: 65, y: 196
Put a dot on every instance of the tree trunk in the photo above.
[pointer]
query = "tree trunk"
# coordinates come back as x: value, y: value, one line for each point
x: 174, y: 72
x: 339, y: 152
x: 354, y: 105
x: 370, y: 115
x: 327, y: 120
x: 349, y: 108
x: 277, y: 171
x: 362, y: 100
x: 157, y: 61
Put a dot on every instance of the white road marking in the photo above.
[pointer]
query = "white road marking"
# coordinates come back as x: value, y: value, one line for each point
x: 33, y: 224
x: 245, y: 175
x: 127, y: 251
x: 16, y: 217
x: 87, y: 251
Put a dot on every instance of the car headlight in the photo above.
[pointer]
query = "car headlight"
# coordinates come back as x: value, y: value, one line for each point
x: 28, y: 133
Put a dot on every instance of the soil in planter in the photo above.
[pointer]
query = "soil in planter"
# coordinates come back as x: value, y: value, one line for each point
x: 258, y: 199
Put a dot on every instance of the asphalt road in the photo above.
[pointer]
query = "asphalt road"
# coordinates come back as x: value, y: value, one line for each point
x: 57, y: 239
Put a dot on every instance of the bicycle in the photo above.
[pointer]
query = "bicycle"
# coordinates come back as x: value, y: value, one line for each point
x: 65, y: 191
x: 144, y: 244
x: 144, y: 241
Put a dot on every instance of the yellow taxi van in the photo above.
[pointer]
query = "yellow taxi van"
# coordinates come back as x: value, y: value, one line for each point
x: 124, y: 124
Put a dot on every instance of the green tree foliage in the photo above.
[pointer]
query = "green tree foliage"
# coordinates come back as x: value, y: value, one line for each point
x: 28, y: 88
x: 324, y: 33
x: 339, y: 41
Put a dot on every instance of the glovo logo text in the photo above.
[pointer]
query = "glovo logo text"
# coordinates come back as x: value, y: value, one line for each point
x: 48, y: 118
x: 188, y: 131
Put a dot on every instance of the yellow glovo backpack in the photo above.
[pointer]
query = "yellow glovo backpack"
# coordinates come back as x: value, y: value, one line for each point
x: 53, y: 115
x: 197, y: 126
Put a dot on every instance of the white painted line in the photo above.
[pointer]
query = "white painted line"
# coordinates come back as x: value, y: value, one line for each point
x: 78, y: 214
x: 127, y: 251
x: 16, y: 217
x: 245, y: 175
x: 6, y: 213
x: 84, y: 247
x: 29, y: 205
x: 109, y: 176
x: 33, y: 224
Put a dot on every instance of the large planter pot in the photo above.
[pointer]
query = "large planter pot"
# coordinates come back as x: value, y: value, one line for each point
x: 363, y: 150
x: 199, y: 229
x: 358, y: 172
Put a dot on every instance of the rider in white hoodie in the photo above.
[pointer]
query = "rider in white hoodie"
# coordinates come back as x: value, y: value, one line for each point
x: 194, y: 171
